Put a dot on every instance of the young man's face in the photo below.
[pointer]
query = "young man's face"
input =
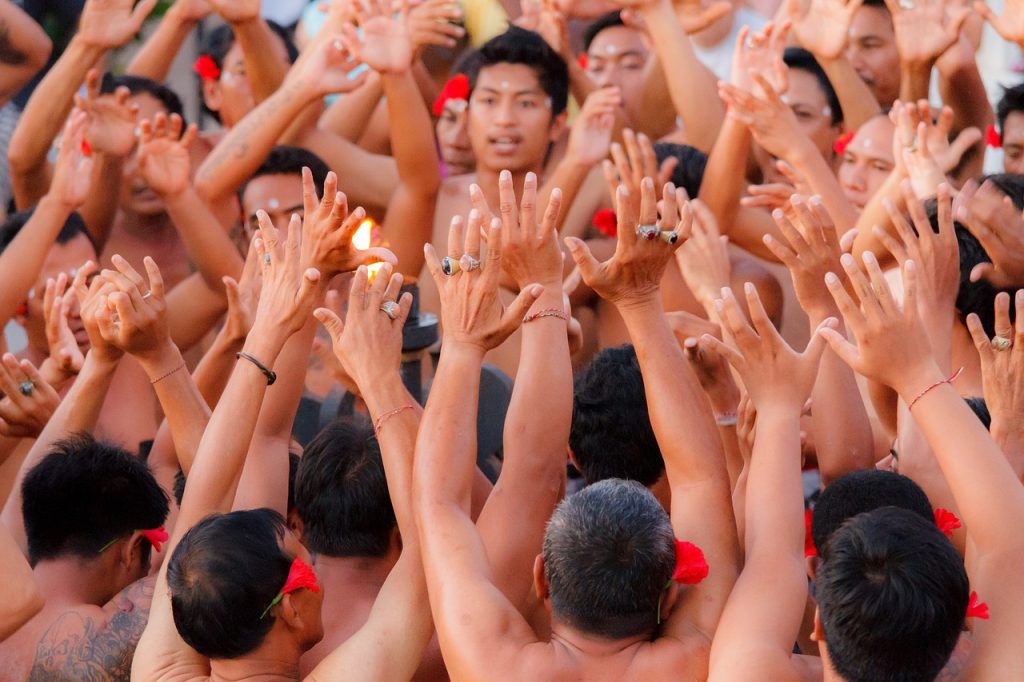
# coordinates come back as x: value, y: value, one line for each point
x: 231, y: 95
x: 868, y: 161
x: 872, y: 53
x: 66, y: 258
x: 453, y: 138
x: 1013, y: 143
x: 617, y: 56
x: 814, y: 116
x: 510, y: 121
x: 279, y: 195
x: 136, y: 196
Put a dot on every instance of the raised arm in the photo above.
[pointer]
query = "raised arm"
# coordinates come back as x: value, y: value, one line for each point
x: 923, y: 31
x: 680, y: 414
x: 263, y: 66
x: 20, y: 599
x: 154, y: 59
x: 24, y: 49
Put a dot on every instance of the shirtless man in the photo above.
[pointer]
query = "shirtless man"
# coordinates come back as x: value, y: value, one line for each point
x: 612, y: 539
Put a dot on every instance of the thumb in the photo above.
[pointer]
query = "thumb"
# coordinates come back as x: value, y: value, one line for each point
x: 816, y: 346
x: 846, y: 351
x: 331, y: 322
x: 513, y: 317
x: 982, y: 271
x: 583, y: 258
x: 231, y: 290
x: 847, y: 240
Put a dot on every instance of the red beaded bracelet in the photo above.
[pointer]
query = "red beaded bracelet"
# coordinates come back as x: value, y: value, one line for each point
x: 948, y: 380
x: 379, y: 424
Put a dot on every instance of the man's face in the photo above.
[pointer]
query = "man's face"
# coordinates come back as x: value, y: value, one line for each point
x: 279, y: 195
x: 868, y: 161
x: 453, y: 138
x: 1013, y: 143
x: 872, y: 52
x: 231, y: 95
x: 510, y: 119
x: 136, y: 196
x: 66, y: 258
x: 813, y: 115
x: 617, y: 56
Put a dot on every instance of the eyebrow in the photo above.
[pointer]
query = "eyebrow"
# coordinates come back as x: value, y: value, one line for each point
x: 624, y: 53
x: 297, y: 208
x: 519, y: 93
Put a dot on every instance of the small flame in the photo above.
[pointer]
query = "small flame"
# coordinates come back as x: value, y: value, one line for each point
x: 362, y: 240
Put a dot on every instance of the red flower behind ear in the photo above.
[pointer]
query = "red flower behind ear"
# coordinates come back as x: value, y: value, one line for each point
x: 300, y: 576
x: 206, y: 68
x: 605, y: 222
x: 993, y: 138
x: 457, y: 88
x: 946, y: 521
x: 582, y: 60
x: 156, y: 536
x: 691, y: 568
x: 841, y: 143
x: 809, y: 548
x: 975, y: 608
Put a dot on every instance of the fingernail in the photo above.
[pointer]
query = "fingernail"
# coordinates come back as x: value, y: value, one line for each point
x: 749, y: 288
x: 847, y: 259
x: 830, y: 277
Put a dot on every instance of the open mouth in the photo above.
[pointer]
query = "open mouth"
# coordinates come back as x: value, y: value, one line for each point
x: 505, y: 144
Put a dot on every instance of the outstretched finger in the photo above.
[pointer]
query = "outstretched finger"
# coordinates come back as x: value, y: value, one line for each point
x: 156, y: 279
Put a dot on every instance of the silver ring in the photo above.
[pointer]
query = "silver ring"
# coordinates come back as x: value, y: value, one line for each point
x: 26, y: 388
x: 1001, y: 343
x: 471, y: 263
x: 648, y: 232
x: 390, y: 308
x: 266, y: 259
x: 146, y: 295
x: 450, y: 266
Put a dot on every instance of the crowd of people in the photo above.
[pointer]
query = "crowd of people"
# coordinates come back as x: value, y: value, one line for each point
x: 470, y: 340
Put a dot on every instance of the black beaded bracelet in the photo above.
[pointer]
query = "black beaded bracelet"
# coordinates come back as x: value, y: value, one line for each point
x: 267, y: 372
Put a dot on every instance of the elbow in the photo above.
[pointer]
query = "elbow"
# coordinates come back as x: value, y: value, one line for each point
x: 21, y: 608
x: 39, y: 55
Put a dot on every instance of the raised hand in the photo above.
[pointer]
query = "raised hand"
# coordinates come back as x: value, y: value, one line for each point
x: 28, y: 401
x: 694, y: 16
x: 369, y: 343
x: 111, y: 127
x: 471, y: 310
x: 591, y: 133
x: 163, y: 159
x: 991, y: 217
x: 704, y: 259
x: 243, y: 297
x: 236, y: 11
x: 112, y: 23
x: 632, y: 161
x: 907, y: 117
x: 1009, y: 24
x: 92, y: 304
x: 770, y: 120
x: 65, y: 354
x: 1002, y: 367
x: 140, y: 326
x: 385, y: 44
x: 328, y: 228
x: 813, y: 251
x: 712, y: 370
x: 924, y: 29
x: 430, y: 23
x: 761, y: 53
x: 632, y: 276
x: 821, y: 26
x: 288, y: 292
x: 530, y: 252
x: 72, y: 175
x: 323, y: 68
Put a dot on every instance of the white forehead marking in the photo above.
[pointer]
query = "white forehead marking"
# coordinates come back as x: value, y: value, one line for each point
x: 827, y: 111
x: 610, y: 49
x: 274, y: 203
x: 867, y: 142
x: 504, y: 85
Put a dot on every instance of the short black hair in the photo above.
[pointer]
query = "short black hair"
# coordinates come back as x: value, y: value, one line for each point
x: 601, y: 23
x: 1011, y: 101
x: 803, y: 60
x: 892, y: 596
x: 225, y: 571
x: 979, y: 407
x: 139, y: 84
x: 217, y: 43
x: 608, y: 552
x: 520, y: 46
x: 284, y: 160
x: 863, y: 491
x: 611, y: 434
x: 72, y: 227
x: 689, y: 172
x: 85, y: 493
x: 341, y: 492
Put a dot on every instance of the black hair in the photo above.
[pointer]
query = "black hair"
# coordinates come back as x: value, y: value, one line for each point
x: 609, y: 20
x: 341, y: 493
x: 520, y: 46
x: 284, y: 160
x: 178, y: 489
x: 137, y: 84
x: 803, y: 60
x: 608, y: 553
x: 72, y: 227
x: 611, y: 434
x: 217, y: 43
x: 878, y: 4
x: 863, y: 491
x: 222, y: 575
x: 85, y: 493
x: 689, y: 172
x: 979, y: 407
x: 892, y: 597
x: 1011, y: 101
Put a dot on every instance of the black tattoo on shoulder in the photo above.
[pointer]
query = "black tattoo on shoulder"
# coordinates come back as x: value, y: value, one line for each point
x: 82, y: 648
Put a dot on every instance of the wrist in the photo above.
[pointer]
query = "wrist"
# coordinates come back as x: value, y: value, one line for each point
x: 459, y: 349
x: 264, y: 344
x: 640, y: 304
x: 160, y: 360
x: 913, y: 382
x: 82, y: 48
x: 54, y: 203
x: 52, y: 373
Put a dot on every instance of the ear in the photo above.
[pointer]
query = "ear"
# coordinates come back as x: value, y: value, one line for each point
x: 818, y: 634
x: 395, y: 542
x: 668, y: 599
x: 296, y: 525
x: 213, y: 98
x: 288, y: 612
x: 557, y: 126
x: 540, y: 579
x: 811, y: 566
x: 131, y: 552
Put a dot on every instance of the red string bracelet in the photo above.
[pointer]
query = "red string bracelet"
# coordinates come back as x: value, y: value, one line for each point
x: 377, y: 425
x: 948, y: 380
x: 547, y: 312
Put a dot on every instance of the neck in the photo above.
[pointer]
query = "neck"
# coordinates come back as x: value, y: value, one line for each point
x: 74, y: 581
x: 487, y: 179
x: 585, y: 645
x: 349, y: 573
x: 146, y: 225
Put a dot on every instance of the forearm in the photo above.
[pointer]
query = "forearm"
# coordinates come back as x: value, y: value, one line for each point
x: 412, y: 135
x: 569, y: 176
x: 855, y: 97
x: 693, y: 88
x: 350, y: 114
x: 20, y: 599
x: 725, y: 173
x: 809, y: 163
x: 370, y: 179
x: 193, y: 309
x: 154, y: 59
x: 98, y: 211
x: 26, y: 39
x: 774, y: 498
x: 842, y: 433
x: 875, y: 214
x: 1010, y: 440
x: 208, y: 245
x: 22, y: 260
x: 263, y: 67
x: 580, y: 85
x: 915, y: 81
x: 397, y: 438
x: 962, y: 89
x: 213, y: 371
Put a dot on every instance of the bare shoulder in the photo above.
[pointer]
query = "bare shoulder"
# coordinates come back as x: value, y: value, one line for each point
x: 93, y: 643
